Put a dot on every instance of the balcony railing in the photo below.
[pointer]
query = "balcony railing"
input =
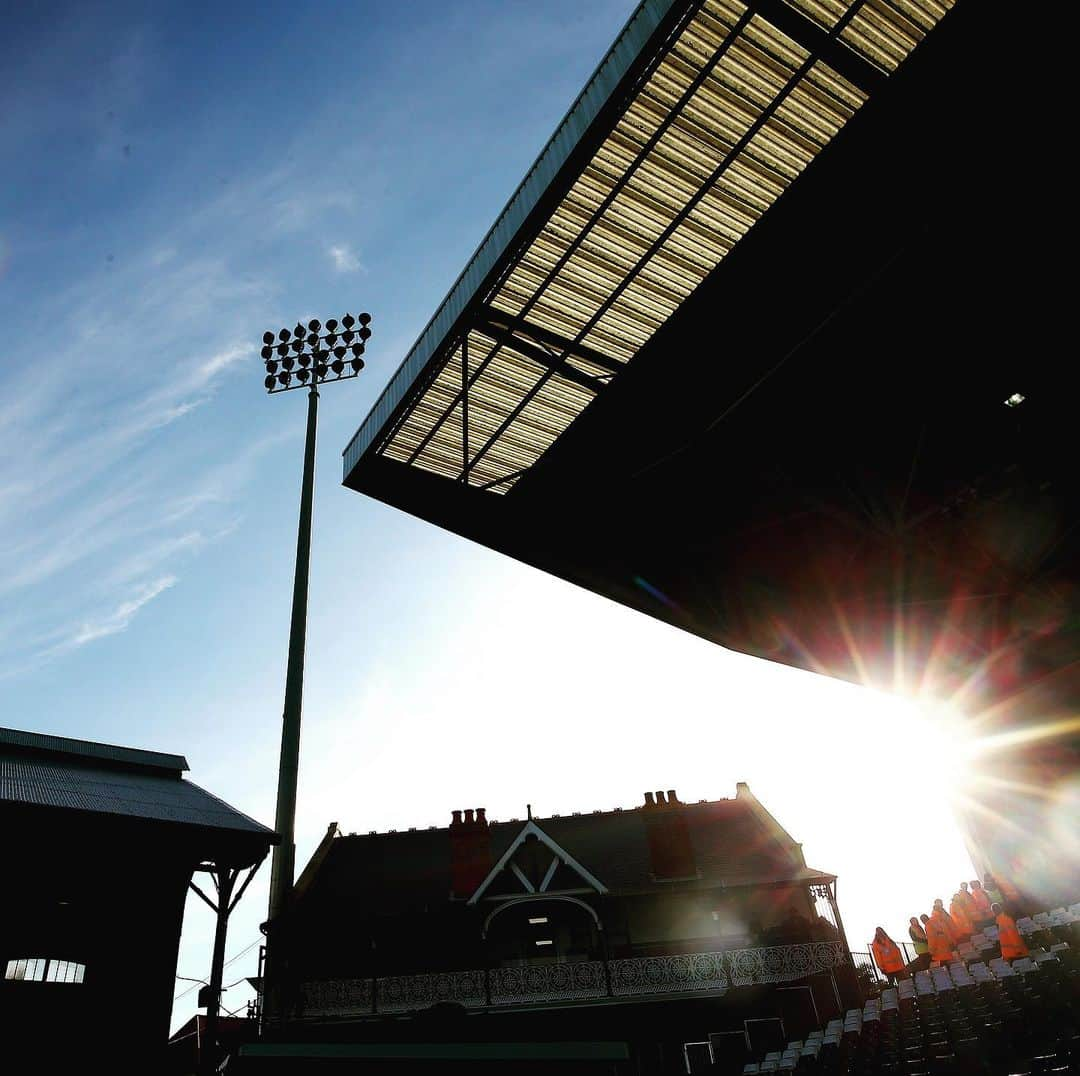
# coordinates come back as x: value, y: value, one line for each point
x: 635, y: 977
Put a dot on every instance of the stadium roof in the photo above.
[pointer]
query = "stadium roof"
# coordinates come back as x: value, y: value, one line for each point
x: 769, y: 441
x: 698, y: 119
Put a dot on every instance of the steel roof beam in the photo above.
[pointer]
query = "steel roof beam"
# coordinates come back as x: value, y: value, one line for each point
x: 489, y: 316
x: 821, y: 44
x: 553, y: 364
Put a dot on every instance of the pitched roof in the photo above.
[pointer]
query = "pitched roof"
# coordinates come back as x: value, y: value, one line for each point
x: 38, y: 770
x: 736, y: 842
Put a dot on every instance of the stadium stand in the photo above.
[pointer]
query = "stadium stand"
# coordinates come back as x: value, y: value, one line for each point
x: 980, y: 1016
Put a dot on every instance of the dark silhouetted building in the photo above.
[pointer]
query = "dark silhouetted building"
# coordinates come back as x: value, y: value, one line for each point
x: 631, y: 930
x: 100, y: 843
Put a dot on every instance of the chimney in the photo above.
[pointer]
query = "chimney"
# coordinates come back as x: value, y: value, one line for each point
x: 671, y: 851
x: 470, y: 852
x: 649, y: 801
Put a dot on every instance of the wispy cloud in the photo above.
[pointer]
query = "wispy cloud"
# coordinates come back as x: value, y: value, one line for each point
x: 120, y: 617
x: 343, y: 258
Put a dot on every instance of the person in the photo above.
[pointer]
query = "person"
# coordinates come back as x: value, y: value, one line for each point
x: 887, y: 955
x: 958, y: 913
x: 939, y: 914
x: 1012, y: 945
x: 992, y: 889
x: 918, y: 939
x: 983, y: 914
x: 938, y: 940
x: 967, y: 902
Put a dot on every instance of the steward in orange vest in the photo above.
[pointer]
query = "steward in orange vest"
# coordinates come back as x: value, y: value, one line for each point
x: 967, y: 902
x: 1012, y: 945
x: 937, y: 937
x: 981, y: 902
x: 941, y: 916
x: 964, y: 926
x: 887, y: 954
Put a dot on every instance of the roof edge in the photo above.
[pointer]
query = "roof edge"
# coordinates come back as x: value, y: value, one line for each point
x: 64, y: 746
x: 596, y: 93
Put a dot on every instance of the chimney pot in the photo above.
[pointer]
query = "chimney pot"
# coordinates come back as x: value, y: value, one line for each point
x: 468, y: 815
x: 660, y: 801
x: 649, y: 801
x: 481, y: 815
x: 456, y: 818
x: 671, y: 797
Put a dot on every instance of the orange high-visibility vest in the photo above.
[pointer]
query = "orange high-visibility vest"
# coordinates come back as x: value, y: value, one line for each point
x: 964, y: 925
x: 1012, y: 945
x: 945, y: 920
x: 887, y: 955
x: 967, y: 902
x: 982, y: 903
x: 937, y: 937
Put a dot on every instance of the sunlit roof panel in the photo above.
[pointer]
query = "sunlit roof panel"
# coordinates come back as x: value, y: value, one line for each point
x: 729, y: 116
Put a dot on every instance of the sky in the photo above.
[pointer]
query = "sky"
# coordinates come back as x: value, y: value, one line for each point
x: 180, y: 178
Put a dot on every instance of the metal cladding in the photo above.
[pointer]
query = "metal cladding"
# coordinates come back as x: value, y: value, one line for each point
x: 734, y: 103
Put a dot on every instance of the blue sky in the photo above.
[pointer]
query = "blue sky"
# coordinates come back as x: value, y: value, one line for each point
x: 179, y: 178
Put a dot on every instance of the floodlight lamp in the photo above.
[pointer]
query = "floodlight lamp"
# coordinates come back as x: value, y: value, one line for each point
x: 271, y: 366
x: 339, y: 352
x: 267, y: 351
x: 320, y: 370
x: 337, y: 366
x: 357, y: 365
x: 284, y: 335
x: 313, y: 339
x: 299, y: 332
x: 284, y: 378
x: 365, y: 319
x: 331, y: 325
x: 314, y: 325
x: 270, y: 380
x: 288, y: 362
x: 364, y: 333
x: 303, y: 375
x: 305, y: 359
x: 357, y: 350
x: 283, y: 349
x: 268, y: 338
x: 298, y: 346
x: 348, y: 336
x: 331, y: 340
x: 348, y: 321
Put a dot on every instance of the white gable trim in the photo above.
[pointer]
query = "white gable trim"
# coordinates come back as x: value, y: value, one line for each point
x: 560, y: 854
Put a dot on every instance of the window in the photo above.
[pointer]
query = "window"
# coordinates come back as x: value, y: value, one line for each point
x: 43, y: 969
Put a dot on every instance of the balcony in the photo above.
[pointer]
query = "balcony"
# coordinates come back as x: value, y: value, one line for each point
x: 632, y: 977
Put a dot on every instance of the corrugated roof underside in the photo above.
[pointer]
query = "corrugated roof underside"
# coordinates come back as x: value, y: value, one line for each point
x: 47, y: 783
x: 724, y: 124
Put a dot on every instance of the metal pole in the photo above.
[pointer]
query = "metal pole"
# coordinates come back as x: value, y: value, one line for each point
x: 283, y: 863
x: 209, y: 1056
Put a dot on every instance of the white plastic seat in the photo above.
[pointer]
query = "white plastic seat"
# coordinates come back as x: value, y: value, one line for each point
x: 750, y: 1068
x: 1059, y: 947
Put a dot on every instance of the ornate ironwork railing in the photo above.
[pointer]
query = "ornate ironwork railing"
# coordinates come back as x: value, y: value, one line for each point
x: 548, y: 982
x: 629, y: 977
